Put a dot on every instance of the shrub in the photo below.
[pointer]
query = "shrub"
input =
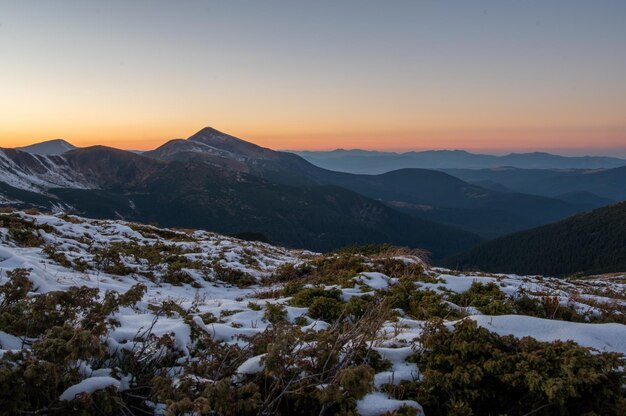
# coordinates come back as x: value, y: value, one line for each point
x: 80, y: 264
x: 109, y: 261
x: 325, y: 309
x: 400, y: 269
x: 547, y: 307
x: 233, y: 276
x: 16, y: 288
x: 488, y: 298
x: 356, y: 307
x: 274, y: 313
x: 305, y: 296
x: 53, y: 253
x: 254, y: 306
x: 289, y: 272
x: 472, y: 371
x: 357, y: 381
x: 418, y: 303
x: 177, y: 277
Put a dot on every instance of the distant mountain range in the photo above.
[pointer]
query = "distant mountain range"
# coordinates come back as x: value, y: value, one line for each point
x: 373, y: 162
x: 219, y: 182
x: 605, y: 184
x: 593, y: 242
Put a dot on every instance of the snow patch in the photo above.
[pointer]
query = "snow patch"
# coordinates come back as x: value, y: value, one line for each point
x: 89, y: 385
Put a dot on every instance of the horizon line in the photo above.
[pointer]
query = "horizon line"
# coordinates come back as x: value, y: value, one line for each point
x: 565, y: 152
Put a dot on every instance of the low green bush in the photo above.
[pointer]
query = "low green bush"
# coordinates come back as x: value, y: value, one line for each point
x: 233, y: 276
x: 472, y: 371
x: 274, y: 313
x: 487, y: 298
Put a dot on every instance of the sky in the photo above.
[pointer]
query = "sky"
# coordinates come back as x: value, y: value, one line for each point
x: 491, y: 76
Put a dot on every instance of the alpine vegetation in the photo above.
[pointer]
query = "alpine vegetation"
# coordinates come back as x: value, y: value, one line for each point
x: 111, y: 317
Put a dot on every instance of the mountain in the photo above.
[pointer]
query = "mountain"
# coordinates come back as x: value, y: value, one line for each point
x: 372, y: 162
x: 604, y: 183
x: 589, y: 243
x: 220, y: 149
x: 103, y: 182
x: 422, y: 193
x: 217, y: 181
x: 50, y: 147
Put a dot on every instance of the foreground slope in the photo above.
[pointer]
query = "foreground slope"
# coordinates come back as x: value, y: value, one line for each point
x: 125, y: 318
x: 593, y: 242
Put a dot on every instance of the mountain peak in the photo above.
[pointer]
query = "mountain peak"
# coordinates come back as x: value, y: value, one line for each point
x: 226, y: 143
x: 48, y: 147
x: 210, y: 130
x: 209, y: 134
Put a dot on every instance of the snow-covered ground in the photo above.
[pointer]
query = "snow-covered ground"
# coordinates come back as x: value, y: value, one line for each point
x: 241, y: 312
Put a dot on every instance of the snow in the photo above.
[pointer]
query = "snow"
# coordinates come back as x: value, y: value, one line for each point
x: 251, y: 366
x: 10, y: 342
x: 89, y: 385
x: 603, y: 337
x: 375, y: 280
x: 375, y: 404
x: 400, y: 371
x: 134, y: 325
x: 223, y: 332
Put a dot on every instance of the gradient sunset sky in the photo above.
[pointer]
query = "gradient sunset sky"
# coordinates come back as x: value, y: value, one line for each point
x: 491, y: 76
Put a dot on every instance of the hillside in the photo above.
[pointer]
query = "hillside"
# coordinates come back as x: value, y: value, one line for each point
x: 133, y: 319
x: 587, y: 243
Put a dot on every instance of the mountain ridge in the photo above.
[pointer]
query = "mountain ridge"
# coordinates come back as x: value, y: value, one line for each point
x: 216, y: 180
x: 374, y: 162
x: 112, y: 183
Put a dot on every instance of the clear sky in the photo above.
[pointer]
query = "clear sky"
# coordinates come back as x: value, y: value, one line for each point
x: 481, y: 75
